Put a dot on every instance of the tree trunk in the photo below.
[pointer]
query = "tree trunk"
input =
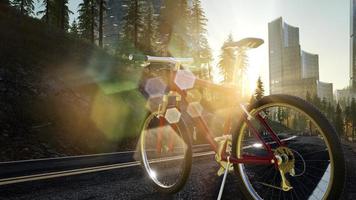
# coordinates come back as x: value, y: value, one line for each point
x: 22, y: 9
x: 92, y: 39
x: 62, y: 16
x: 47, y: 11
x: 101, y: 13
x: 135, y: 24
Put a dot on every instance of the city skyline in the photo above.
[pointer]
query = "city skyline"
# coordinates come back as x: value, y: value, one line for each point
x: 323, y: 25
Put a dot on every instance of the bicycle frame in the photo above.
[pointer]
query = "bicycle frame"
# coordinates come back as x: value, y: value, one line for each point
x: 246, y: 159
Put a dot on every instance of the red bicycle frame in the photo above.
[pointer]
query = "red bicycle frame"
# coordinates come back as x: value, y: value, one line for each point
x: 247, y: 159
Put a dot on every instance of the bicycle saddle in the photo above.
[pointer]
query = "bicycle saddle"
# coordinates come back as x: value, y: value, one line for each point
x: 245, y: 43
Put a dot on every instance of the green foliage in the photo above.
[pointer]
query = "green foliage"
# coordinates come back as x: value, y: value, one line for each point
x: 316, y: 101
x: 201, y: 51
x: 56, y: 13
x: 74, y: 29
x: 102, y: 9
x: 227, y: 61
x: 150, y: 38
x: 48, y: 12
x: 133, y: 22
x: 353, y: 115
x: 87, y: 19
x: 308, y: 97
x: 62, y: 14
x: 26, y: 7
x: 282, y: 114
x: 173, y: 26
x: 259, y: 92
x: 338, y: 120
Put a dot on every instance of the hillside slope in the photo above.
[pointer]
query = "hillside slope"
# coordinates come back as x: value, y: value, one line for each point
x: 60, y: 95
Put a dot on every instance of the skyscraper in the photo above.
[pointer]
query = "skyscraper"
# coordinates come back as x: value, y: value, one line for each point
x: 310, y: 65
x: 284, y: 55
x: 348, y: 93
x: 293, y: 71
x: 353, y: 45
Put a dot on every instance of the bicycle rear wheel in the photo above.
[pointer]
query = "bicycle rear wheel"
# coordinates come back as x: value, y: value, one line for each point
x: 310, y: 143
x: 166, y: 154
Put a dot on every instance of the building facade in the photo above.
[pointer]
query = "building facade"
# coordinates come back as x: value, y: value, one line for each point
x: 325, y: 90
x: 284, y: 55
x: 310, y: 65
x: 293, y: 71
x: 353, y: 46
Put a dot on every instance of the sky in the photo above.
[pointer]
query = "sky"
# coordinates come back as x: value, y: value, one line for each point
x: 323, y: 29
x: 323, y: 26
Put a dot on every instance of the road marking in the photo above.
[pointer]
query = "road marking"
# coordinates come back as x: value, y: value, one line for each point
x: 64, y: 173
x: 80, y: 156
x: 283, y: 140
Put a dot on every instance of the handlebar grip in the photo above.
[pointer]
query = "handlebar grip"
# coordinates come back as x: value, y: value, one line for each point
x: 138, y: 57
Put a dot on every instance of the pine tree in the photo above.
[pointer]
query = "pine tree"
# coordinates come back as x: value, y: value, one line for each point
x: 259, y: 93
x: 338, y: 121
x: 102, y: 9
x: 174, y: 21
x: 166, y: 21
x: 330, y: 110
x: 47, y: 13
x: 201, y: 51
x: 308, y: 97
x: 281, y: 114
x: 240, y: 69
x: 87, y: 19
x: 353, y: 116
x: 62, y: 14
x: 149, y: 36
x: 133, y: 23
x: 316, y: 101
x: 323, y: 105
x: 26, y: 7
x: 347, y: 117
x: 227, y: 61
x: 74, y: 29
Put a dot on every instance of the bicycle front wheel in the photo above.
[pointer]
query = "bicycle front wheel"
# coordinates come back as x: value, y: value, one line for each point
x: 312, y: 159
x: 166, y: 154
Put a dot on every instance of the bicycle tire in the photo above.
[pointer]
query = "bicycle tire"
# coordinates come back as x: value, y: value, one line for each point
x: 336, y: 187
x: 186, y: 167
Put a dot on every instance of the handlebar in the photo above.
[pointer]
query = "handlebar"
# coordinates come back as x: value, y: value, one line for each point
x: 156, y: 59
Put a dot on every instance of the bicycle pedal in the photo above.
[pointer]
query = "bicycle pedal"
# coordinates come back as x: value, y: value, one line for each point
x: 223, y: 166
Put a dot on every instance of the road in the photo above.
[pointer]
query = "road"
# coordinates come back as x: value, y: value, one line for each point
x: 131, y: 183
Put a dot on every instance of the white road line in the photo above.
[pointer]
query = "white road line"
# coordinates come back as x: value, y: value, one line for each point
x: 49, y: 175
x: 66, y: 157
x: 80, y: 156
x: 286, y: 139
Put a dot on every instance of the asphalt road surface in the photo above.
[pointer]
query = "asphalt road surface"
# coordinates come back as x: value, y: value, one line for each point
x: 131, y: 183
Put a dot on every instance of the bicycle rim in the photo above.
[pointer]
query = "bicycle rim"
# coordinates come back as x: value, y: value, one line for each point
x: 165, y: 162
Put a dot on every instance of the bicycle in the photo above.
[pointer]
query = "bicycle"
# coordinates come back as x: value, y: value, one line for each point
x: 279, y: 147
